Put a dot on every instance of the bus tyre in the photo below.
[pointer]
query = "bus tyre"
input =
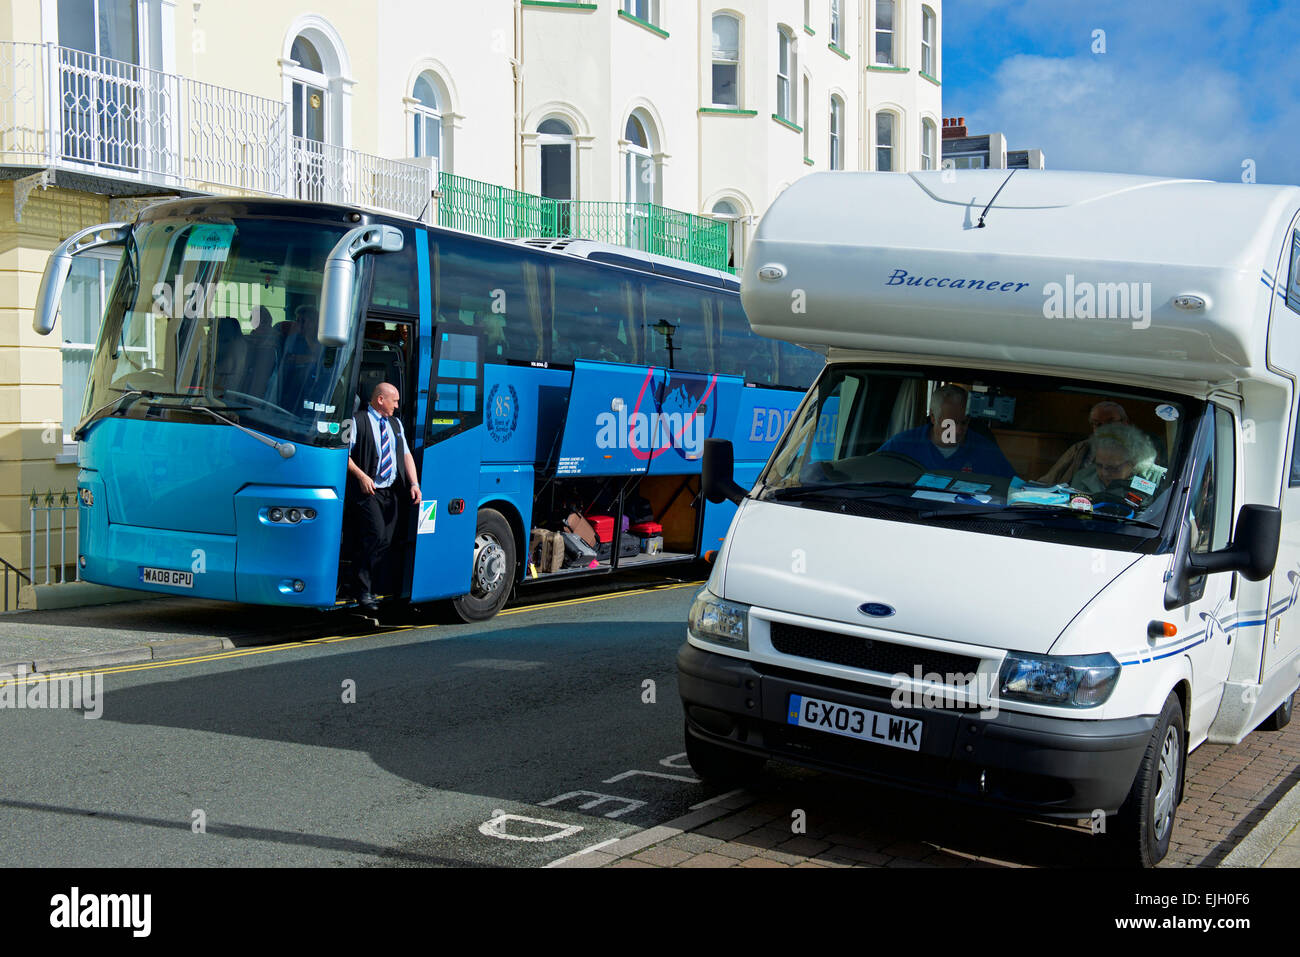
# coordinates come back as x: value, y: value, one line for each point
x: 493, y: 571
x: 1146, y: 819
x: 718, y: 765
x: 1280, y: 718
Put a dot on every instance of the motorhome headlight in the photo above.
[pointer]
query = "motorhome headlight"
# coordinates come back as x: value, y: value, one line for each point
x: 1069, y: 681
x: 718, y: 621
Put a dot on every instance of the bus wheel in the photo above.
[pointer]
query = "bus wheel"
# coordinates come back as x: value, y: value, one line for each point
x: 494, y: 568
x: 1280, y: 718
x: 1146, y: 820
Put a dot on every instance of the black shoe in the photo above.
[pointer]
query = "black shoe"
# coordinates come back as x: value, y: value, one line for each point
x: 368, y: 603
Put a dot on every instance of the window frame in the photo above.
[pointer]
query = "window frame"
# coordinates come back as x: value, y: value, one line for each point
x: 421, y: 113
x: 891, y: 32
x: 786, y: 94
x: 715, y: 61
x: 929, y: 48
x: 836, y: 159
x: 837, y: 15
x: 892, y: 146
x: 651, y: 8
x: 929, y: 143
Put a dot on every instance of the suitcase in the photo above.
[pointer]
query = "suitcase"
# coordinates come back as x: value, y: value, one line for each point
x: 647, y: 529
x: 628, y: 545
x: 576, y: 551
x: 546, y: 550
x: 580, y: 527
x: 652, y: 545
x: 603, y: 525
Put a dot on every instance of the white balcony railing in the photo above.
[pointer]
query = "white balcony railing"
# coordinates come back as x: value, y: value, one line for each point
x: 65, y: 109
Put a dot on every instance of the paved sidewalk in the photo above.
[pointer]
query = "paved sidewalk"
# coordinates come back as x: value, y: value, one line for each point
x: 1245, y: 797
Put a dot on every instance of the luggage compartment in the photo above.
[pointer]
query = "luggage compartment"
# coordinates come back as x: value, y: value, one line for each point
x: 591, y: 525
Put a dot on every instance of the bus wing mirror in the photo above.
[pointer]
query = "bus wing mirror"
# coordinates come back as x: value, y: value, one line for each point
x: 717, y: 472
x: 59, y: 266
x: 339, y: 282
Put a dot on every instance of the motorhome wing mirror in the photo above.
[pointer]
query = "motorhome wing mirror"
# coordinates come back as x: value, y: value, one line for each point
x: 1253, y: 549
x: 718, y: 471
x: 59, y: 265
x: 339, y: 282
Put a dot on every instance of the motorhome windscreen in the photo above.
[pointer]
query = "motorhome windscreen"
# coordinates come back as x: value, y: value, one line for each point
x: 222, y: 314
x: 948, y: 443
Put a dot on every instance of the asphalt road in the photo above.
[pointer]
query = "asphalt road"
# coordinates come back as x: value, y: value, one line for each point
x: 447, y: 745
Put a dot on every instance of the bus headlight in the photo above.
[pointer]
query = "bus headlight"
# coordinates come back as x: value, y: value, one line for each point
x: 720, y: 622
x: 1070, y: 681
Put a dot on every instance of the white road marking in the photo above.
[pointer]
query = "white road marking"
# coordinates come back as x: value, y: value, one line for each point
x: 675, y: 761
x: 632, y: 804
x: 651, y: 774
x: 493, y: 827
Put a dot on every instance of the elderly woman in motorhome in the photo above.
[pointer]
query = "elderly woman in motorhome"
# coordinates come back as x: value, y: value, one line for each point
x: 1119, y: 451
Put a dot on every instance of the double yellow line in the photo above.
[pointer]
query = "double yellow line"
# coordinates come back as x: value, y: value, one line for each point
x: 332, y: 639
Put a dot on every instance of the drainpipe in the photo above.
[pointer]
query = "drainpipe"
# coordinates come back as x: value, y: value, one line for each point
x: 517, y: 69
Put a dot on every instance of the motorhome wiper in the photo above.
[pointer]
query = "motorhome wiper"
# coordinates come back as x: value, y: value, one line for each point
x: 867, y: 488
x: 980, y: 224
x: 1028, y: 510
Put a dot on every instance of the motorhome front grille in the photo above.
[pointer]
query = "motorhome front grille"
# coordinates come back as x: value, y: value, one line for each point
x: 866, y: 653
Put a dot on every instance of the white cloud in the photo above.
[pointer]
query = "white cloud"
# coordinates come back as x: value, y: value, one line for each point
x: 1103, y: 113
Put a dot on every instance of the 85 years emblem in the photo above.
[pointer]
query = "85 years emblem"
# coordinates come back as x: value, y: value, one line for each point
x: 502, y: 412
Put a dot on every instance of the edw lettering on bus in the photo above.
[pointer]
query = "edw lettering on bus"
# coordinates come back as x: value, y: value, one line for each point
x: 768, y: 424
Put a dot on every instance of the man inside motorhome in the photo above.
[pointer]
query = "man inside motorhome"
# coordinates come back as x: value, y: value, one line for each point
x: 946, y: 442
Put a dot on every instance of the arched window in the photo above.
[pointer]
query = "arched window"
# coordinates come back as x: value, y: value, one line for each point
x: 310, y: 92
x: 835, y: 23
x: 557, y: 145
x: 428, y: 108
x: 885, y: 32
x: 726, y: 60
x: 837, y: 133
x: 928, y: 66
x: 641, y: 173
x: 785, y: 72
x: 886, y: 141
x: 726, y: 211
x: 928, y: 140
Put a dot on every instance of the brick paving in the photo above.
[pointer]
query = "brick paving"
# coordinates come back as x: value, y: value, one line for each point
x: 849, y: 824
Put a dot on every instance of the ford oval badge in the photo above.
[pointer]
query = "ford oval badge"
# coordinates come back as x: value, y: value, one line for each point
x: 876, y: 609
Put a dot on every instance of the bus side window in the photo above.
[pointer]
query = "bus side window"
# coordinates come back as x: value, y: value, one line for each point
x: 479, y: 286
x: 590, y: 310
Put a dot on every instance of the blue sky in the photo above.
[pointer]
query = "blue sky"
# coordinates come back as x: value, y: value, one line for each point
x: 1184, y: 87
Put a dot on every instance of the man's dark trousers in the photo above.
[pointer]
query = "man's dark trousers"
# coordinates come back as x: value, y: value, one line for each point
x: 375, y: 518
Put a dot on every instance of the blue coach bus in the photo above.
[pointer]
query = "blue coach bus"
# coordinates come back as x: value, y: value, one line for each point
x: 537, y: 377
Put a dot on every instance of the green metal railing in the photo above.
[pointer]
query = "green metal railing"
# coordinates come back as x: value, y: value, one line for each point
x: 489, y: 210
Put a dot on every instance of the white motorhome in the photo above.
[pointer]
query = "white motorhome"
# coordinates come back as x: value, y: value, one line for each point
x: 1034, y: 534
